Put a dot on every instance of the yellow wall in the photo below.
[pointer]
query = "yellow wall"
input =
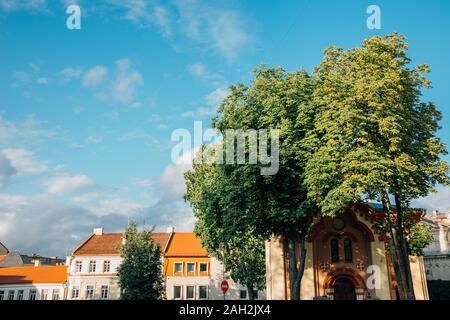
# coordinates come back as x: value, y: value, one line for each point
x: 169, y: 263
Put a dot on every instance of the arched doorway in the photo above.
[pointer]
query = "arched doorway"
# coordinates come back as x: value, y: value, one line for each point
x: 344, y: 289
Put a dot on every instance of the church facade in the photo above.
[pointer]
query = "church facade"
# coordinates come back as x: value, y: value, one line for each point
x: 346, y: 260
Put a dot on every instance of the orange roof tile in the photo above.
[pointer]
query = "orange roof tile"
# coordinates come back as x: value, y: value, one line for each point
x: 33, y: 275
x: 2, y: 257
x: 185, y: 244
x: 108, y: 244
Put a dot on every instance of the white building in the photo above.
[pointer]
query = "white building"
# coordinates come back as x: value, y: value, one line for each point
x: 33, y: 283
x: 437, y: 254
x: 189, y: 272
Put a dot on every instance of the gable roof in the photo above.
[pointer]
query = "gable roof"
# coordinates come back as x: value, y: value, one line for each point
x: 33, y: 275
x: 108, y: 244
x: 185, y: 244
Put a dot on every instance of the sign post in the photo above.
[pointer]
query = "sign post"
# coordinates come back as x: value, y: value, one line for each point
x: 224, y: 286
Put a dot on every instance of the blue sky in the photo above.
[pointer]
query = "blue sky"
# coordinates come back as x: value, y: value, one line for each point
x: 86, y: 115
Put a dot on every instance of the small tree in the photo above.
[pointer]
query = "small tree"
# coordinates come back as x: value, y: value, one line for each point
x: 420, y: 236
x: 140, y: 273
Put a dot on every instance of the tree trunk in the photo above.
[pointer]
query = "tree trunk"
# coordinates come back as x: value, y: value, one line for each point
x: 250, y: 292
x: 296, y: 265
x: 403, y: 254
x: 400, y: 257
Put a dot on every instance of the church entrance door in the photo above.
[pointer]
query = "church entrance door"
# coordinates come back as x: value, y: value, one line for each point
x: 344, y: 289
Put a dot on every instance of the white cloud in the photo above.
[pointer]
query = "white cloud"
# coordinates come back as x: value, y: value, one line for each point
x: 24, y: 132
x: 49, y: 227
x: 68, y: 184
x: 71, y: 72
x: 42, y: 80
x: 27, y: 5
x: 435, y: 201
x: 24, y: 162
x: 126, y: 82
x: 221, y: 29
x: 213, y: 100
x: 22, y: 77
x: 197, y: 69
x: 94, y: 76
x: 6, y: 171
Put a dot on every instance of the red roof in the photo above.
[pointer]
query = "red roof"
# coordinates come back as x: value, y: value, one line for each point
x: 33, y: 275
x: 108, y: 244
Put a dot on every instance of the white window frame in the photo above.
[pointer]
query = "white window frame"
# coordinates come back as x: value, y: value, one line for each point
x: 87, y: 296
x: 13, y: 295
x: 30, y: 294
x: 59, y: 294
x: 42, y: 294
x: 190, y: 263
x: 175, y: 267
x: 181, y: 291
x: 207, y: 292
x: 101, y: 291
x: 2, y: 295
x: 78, y: 266
x: 107, y: 263
x: 92, y: 266
x: 20, y: 294
x: 193, y: 294
x: 200, y: 269
x: 78, y: 293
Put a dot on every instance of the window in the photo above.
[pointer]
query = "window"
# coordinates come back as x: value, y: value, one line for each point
x: 75, y: 293
x: 203, y: 292
x: 177, y: 292
x: 255, y: 294
x: 106, y: 266
x: 243, y: 294
x: 32, y: 295
x: 92, y: 266
x: 78, y: 266
x: 104, y: 292
x: 2, y: 295
x: 178, y: 267
x: 89, y: 292
x: 11, y: 294
x: 190, y: 267
x: 55, y: 295
x: 203, y: 267
x: 44, y: 294
x: 348, y: 250
x: 334, y: 245
x: 190, y: 292
x: 20, y: 295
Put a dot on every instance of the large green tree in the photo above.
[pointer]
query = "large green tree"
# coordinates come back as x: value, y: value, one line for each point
x: 140, y: 273
x: 272, y: 204
x: 216, y: 203
x: 374, y: 138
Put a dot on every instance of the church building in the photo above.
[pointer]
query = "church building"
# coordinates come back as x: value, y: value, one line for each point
x: 344, y: 255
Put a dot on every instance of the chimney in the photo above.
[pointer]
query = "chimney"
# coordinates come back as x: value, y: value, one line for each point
x: 37, y: 263
x: 435, y: 213
x: 98, y: 231
x: 171, y: 229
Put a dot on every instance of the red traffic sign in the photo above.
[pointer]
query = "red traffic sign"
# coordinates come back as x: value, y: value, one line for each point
x: 224, y: 286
